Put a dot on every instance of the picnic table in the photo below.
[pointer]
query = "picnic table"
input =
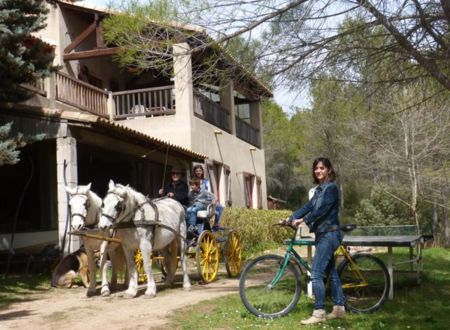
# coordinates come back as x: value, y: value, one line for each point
x: 404, y: 236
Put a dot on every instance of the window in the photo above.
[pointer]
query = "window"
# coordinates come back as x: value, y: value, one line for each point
x: 248, y: 189
x: 214, y: 174
x: 228, y: 199
x: 259, y: 192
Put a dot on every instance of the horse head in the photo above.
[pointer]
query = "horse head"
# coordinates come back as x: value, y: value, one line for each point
x: 84, y: 206
x: 114, y: 205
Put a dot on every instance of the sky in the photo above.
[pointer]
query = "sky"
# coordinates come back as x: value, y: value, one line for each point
x: 287, y: 100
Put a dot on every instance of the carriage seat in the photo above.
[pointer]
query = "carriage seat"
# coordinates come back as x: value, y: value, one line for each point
x: 208, y: 213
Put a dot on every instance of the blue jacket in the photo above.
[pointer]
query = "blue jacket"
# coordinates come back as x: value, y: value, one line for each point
x: 321, y: 212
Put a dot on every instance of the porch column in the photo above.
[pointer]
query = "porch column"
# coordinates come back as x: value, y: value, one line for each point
x: 66, y: 171
x: 50, y: 88
x: 184, y: 94
x: 256, y: 120
x: 227, y: 102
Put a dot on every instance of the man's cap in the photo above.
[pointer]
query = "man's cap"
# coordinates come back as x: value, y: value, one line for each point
x: 177, y: 170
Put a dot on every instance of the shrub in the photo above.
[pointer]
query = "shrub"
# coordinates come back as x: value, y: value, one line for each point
x: 382, y: 208
x: 255, y: 228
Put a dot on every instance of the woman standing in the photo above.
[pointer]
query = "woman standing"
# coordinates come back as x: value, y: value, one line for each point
x: 320, y: 214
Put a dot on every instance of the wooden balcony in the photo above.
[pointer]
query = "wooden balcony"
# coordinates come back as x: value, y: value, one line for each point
x: 211, y: 112
x: 146, y: 102
x: 247, y: 133
x: 81, y: 95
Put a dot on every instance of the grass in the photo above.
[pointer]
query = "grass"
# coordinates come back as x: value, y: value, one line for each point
x: 414, y: 306
x: 20, y: 288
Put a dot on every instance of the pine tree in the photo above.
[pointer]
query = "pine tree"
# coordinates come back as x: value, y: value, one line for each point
x: 23, y: 58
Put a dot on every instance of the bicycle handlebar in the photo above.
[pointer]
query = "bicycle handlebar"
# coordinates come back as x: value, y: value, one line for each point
x: 285, y: 224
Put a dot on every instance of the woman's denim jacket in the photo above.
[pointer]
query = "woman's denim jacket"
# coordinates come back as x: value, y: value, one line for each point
x: 320, y: 213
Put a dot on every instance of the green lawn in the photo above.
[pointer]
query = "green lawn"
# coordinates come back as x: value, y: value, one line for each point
x: 414, y: 306
x: 20, y: 288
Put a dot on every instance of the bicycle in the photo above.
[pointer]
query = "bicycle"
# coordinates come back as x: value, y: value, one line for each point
x: 270, y: 285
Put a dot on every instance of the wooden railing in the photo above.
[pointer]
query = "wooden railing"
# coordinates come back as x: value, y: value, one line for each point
x: 37, y: 86
x: 211, y: 112
x: 81, y: 95
x: 246, y: 132
x: 157, y: 101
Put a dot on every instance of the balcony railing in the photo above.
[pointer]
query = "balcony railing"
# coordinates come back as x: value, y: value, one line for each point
x: 246, y: 132
x: 157, y: 101
x: 211, y: 112
x: 81, y: 95
x: 37, y: 86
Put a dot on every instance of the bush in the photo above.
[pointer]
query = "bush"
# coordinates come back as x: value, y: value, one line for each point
x: 255, y: 228
x: 382, y: 208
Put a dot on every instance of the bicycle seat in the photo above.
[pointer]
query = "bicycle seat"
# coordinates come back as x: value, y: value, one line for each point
x: 349, y: 227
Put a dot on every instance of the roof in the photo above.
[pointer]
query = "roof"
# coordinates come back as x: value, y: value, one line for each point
x: 262, y: 89
x: 126, y: 132
x: 101, y: 124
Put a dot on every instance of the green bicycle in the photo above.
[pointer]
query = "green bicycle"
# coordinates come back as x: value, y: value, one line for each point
x: 270, y: 285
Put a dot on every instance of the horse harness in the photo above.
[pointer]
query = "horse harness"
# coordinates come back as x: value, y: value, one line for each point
x: 146, y: 222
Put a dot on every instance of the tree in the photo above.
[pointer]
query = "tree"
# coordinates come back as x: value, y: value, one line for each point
x: 23, y: 58
x: 300, y: 37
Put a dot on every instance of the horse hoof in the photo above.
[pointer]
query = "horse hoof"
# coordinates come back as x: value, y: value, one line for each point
x: 187, y: 287
x: 90, y: 294
x: 149, y: 296
x: 106, y: 293
x: 129, y: 296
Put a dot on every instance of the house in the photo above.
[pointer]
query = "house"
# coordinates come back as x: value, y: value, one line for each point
x: 103, y: 122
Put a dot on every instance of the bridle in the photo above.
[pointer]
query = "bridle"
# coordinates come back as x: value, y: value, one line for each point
x: 120, y: 207
x: 87, y: 204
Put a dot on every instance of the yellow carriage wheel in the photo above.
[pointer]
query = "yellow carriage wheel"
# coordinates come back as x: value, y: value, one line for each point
x: 233, y: 254
x: 207, y: 256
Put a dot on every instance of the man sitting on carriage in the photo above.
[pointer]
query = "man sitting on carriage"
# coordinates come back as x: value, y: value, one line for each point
x: 199, y: 199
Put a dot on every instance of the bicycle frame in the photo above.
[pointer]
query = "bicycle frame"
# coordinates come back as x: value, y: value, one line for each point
x: 342, y: 251
x: 301, y: 262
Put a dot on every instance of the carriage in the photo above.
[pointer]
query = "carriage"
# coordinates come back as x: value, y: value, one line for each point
x: 207, y: 247
x: 153, y: 225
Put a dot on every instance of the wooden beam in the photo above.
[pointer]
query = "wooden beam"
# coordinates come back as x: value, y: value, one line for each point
x: 91, y: 28
x: 101, y: 52
x: 99, y: 32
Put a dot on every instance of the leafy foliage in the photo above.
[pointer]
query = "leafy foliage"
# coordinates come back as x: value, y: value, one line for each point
x: 23, y: 58
x: 10, y: 145
x: 383, y: 207
x: 256, y: 227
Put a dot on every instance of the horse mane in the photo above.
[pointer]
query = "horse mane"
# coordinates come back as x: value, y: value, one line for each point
x: 125, y: 191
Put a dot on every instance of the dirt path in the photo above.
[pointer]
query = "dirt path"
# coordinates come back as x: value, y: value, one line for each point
x: 69, y: 309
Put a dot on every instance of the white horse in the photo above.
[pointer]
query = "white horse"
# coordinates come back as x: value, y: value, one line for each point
x: 85, y: 211
x: 141, y: 223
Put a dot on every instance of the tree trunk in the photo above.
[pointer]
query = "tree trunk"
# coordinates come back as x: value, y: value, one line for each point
x: 435, y: 224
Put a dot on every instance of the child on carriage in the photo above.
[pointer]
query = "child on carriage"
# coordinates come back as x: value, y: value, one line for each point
x: 199, y: 199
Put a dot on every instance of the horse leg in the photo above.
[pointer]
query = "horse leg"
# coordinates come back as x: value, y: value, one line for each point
x: 186, y: 280
x: 104, y: 269
x: 132, y: 272
x: 92, y: 268
x: 170, y: 258
x: 146, y: 250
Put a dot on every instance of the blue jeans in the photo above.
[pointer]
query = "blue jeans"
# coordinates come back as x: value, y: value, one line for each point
x: 191, y: 213
x: 323, y: 265
x: 219, y: 210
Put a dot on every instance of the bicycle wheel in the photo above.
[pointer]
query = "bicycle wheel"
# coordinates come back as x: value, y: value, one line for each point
x: 260, y: 295
x: 365, y: 283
